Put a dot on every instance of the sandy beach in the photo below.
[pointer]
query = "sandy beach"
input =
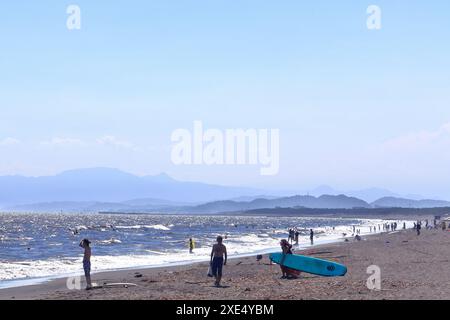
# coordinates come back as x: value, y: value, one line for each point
x: 412, y: 267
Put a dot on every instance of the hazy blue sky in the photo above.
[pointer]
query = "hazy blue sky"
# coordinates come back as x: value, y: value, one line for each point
x: 355, y: 107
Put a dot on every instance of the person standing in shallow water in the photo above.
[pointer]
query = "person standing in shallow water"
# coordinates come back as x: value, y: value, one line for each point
x: 218, y: 260
x: 191, y: 245
x: 87, y: 262
x: 311, y: 236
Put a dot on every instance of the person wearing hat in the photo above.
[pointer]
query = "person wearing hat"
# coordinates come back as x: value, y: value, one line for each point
x: 87, y: 262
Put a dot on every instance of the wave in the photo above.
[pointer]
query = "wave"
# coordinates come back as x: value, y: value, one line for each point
x: 155, y: 226
x: 110, y: 241
x: 158, y: 227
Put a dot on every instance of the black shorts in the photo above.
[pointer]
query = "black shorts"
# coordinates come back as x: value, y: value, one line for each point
x: 87, y: 268
x: 216, y: 267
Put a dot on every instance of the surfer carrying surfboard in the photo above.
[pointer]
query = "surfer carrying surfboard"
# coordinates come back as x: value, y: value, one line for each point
x: 218, y: 260
x: 287, y: 272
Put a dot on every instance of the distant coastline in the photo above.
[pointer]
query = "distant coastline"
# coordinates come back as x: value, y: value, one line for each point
x: 409, y: 213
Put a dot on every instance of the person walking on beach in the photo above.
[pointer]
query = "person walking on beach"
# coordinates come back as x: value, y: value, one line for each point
x: 296, y: 236
x: 218, y: 253
x: 191, y: 245
x: 311, y: 236
x: 418, y: 227
x: 87, y: 262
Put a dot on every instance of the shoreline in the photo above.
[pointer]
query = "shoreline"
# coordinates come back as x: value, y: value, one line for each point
x: 15, y: 283
x: 27, y: 282
x: 412, y: 267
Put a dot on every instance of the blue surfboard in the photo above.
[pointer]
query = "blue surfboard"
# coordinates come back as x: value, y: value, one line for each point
x: 309, y: 264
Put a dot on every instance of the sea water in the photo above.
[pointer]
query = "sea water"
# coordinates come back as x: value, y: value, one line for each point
x: 34, y: 247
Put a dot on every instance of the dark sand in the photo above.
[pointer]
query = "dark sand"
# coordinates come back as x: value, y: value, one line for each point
x: 412, y: 267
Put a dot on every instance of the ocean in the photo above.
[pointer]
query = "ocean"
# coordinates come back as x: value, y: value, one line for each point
x: 37, y: 247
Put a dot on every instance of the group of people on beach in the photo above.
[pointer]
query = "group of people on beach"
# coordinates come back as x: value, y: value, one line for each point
x: 379, y: 227
x: 218, y: 257
x: 294, y: 233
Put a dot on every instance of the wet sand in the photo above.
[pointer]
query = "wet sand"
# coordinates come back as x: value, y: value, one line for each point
x: 412, y: 267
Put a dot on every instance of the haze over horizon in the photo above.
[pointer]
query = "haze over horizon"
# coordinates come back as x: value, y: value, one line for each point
x: 356, y: 108
x: 99, y: 174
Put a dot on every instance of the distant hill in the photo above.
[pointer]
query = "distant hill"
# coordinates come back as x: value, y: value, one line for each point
x: 392, y: 202
x: 369, y: 194
x: 360, y: 212
x: 251, y: 198
x: 324, y: 201
x: 109, y: 185
x: 164, y: 206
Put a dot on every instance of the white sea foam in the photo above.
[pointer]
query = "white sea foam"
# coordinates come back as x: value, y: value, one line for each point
x: 111, y: 241
x: 156, y: 227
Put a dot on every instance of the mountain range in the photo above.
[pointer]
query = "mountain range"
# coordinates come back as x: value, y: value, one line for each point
x: 111, y: 190
x: 110, y: 185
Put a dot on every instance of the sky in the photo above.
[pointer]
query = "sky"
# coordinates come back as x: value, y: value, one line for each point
x: 355, y: 107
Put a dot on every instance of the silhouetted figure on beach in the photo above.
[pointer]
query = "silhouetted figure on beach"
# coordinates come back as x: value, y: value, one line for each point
x: 87, y: 262
x: 311, y: 236
x: 191, y: 245
x: 291, y: 235
x: 218, y: 260
x: 418, y: 228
